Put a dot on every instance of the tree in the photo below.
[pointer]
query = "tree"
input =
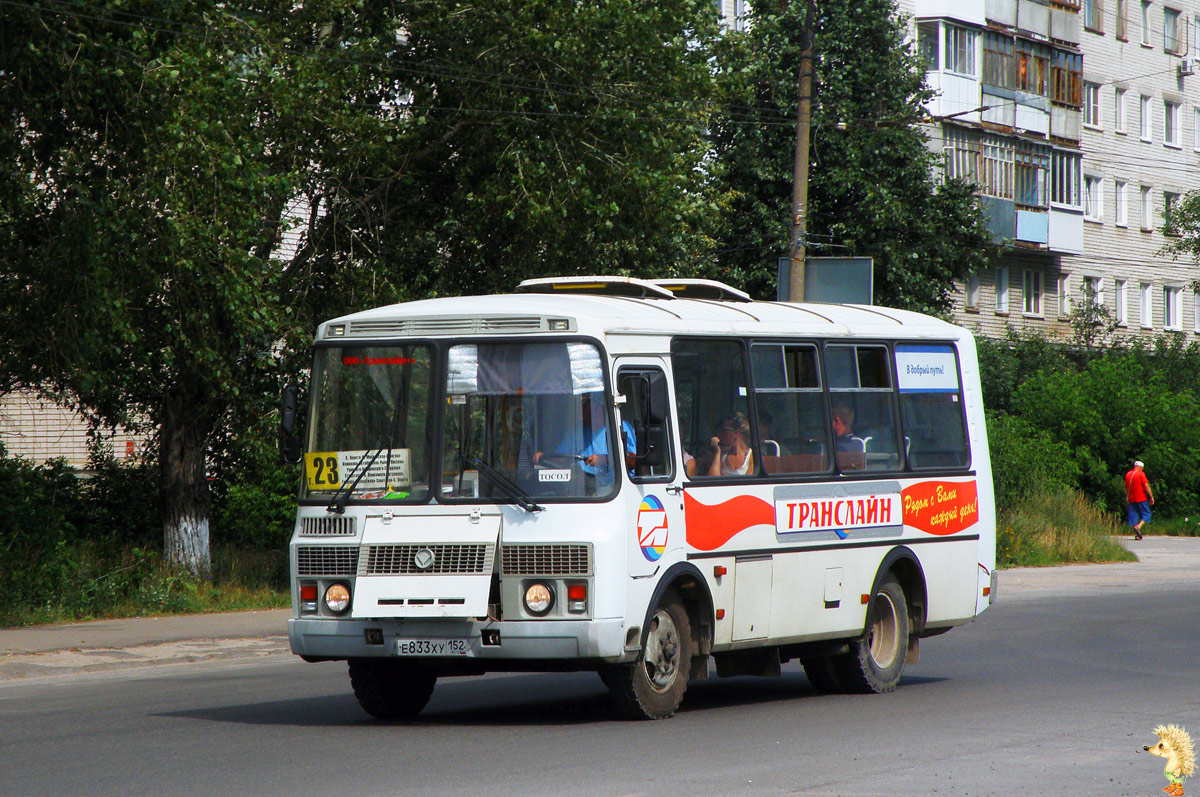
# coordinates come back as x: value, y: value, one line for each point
x: 872, y: 191
x: 158, y: 152
x: 548, y: 137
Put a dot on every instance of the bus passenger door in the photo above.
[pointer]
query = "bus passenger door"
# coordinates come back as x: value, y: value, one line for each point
x: 656, y: 498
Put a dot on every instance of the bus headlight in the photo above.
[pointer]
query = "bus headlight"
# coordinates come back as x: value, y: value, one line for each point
x: 538, y: 598
x: 337, y: 598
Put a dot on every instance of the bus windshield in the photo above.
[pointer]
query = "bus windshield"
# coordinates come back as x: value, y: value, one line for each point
x: 527, y: 419
x: 372, y: 414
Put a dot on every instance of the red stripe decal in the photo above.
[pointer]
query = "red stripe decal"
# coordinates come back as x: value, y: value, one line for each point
x: 941, y: 508
x: 710, y: 527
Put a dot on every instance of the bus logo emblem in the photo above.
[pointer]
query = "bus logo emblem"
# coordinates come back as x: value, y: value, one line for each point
x: 652, y: 528
x: 424, y: 558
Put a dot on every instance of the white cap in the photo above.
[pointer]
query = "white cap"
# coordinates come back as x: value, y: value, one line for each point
x: 1137, y: 463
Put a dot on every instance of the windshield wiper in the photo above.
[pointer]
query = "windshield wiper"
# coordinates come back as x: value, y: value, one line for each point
x: 337, y: 505
x: 507, y: 487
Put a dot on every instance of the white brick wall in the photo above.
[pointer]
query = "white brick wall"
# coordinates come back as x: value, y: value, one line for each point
x: 38, y: 430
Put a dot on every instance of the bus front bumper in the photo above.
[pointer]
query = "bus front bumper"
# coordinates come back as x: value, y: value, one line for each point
x: 327, y: 638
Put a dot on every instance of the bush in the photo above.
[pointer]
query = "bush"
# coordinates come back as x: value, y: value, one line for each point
x: 1027, y: 459
x: 1053, y: 527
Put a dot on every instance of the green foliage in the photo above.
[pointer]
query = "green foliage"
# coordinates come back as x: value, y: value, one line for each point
x: 1027, y: 460
x: 74, y: 548
x: 872, y: 190
x: 1056, y: 526
x: 1082, y: 416
x: 254, y: 495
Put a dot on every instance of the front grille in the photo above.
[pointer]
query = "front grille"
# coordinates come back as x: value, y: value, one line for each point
x: 547, y: 560
x: 391, y: 560
x: 332, y: 526
x: 326, y: 560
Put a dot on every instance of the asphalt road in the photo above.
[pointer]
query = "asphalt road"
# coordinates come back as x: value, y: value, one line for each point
x: 1053, y: 691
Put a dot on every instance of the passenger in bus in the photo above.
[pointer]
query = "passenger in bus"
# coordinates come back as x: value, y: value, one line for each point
x: 730, y: 454
x: 843, y: 430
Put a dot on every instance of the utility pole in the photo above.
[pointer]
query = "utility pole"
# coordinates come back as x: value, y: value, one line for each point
x: 800, y: 171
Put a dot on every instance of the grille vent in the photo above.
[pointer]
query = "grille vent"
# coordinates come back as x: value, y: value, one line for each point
x: 390, y: 560
x: 445, y: 326
x: 326, y: 560
x: 332, y: 526
x: 547, y: 560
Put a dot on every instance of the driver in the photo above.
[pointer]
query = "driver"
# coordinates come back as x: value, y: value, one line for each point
x: 593, y: 454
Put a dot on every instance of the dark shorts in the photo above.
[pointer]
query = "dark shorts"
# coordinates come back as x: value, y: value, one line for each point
x: 1138, y: 511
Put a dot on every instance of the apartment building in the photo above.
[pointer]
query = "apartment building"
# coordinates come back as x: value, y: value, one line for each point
x: 1141, y: 144
x: 1074, y: 119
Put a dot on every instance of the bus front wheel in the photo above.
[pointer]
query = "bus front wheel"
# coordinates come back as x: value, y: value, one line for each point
x: 653, y: 686
x: 390, y: 690
x: 876, y: 659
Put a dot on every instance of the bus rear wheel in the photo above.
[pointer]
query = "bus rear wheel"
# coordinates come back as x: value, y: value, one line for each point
x: 876, y: 659
x: 653, y: 686
x: 391, y: 690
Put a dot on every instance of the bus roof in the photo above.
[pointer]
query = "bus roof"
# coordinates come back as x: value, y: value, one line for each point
x: 602, y: 315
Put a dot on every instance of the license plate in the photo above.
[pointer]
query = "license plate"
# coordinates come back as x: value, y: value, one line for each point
x: 432, y: 647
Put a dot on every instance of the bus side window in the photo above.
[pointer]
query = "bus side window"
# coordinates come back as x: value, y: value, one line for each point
x: 792, y: 428
x: 717, y: 407
x: 931, y: 406
x: 862, y: 407
x: 646, y: 411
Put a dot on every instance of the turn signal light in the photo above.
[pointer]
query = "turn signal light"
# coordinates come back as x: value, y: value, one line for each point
x: 577, y: 598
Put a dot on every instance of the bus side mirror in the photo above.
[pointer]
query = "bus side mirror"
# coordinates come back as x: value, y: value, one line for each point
x: 289, y: 439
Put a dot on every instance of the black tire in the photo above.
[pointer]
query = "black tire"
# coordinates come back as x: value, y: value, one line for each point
x: 822, y: 673
x: 653, y: 686
x: 388, y: 689
x: 876, y: 659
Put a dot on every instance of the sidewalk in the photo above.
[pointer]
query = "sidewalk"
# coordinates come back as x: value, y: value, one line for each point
x: 1165, y: 563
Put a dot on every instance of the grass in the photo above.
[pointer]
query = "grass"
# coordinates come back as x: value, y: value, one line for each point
x: 1173, y: 527
x: 83, y: 581
x: 1058, y: 528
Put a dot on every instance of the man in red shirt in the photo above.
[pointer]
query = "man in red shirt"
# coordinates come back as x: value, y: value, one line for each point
x: 1139, y: 497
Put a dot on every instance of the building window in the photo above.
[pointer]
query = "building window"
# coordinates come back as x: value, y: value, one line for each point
x: 1170, y: 205
x: 1122, y: 291
x: 1119, y: 110
x: 1171, y: 125
x: 1091, y: 104
x: 1064, y: 295
x: 928, y: 37
x: 1196, y: 129
x: 1146, y: 22
x: 1064, y: 178
x: 1122, y: 26
x: 998, y: 60
x: 1172, y: 307
x: 1146, y: 311
x: 1121, y: 202
x: 1033, y: 292
x: 1092, y: 289
x: 1196, y: 311
x: 1093, y: 198
x: 1147, y: 211
x: 960, y: 50
x: 1031, y: 166
x: 1066, y: 77
x: 960, y: 154
x: 1093, y: 15
x: 973, y: 290
x: 1147, y: 120
x: 996, y: 167
x: 1033, y: 67
x: 1172, y: 38
x: 1002, y: 289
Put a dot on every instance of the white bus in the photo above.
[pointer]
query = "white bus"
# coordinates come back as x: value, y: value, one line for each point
x: 636, y: 478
